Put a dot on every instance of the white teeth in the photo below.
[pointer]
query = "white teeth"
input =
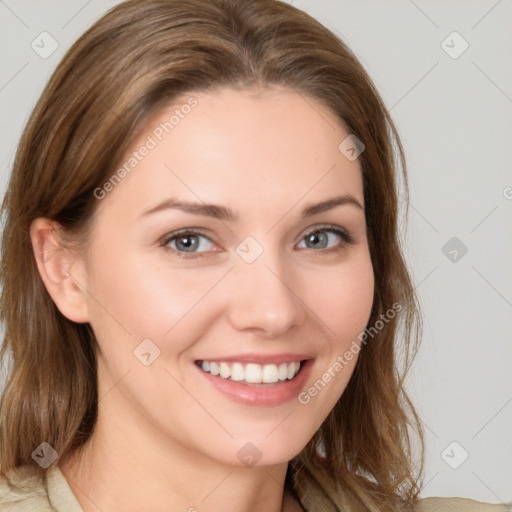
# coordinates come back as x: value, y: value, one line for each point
x: 269, y: 373
x: 214, y: 369
x: 225, y: 370
x: 252, y: 373
x: 282, y: 373
x: 237, y: 372
x: 291, y: 370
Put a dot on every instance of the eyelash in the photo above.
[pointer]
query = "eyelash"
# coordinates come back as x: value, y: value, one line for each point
x: 344, y: 235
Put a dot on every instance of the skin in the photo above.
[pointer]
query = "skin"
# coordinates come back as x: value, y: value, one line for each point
x: 165, y: 437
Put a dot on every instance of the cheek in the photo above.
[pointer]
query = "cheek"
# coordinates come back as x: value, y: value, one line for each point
x: 169, y: 299
x: 344, y: 299
x: 132, y: 299
x: 344, y: 304
x: 330, y: 379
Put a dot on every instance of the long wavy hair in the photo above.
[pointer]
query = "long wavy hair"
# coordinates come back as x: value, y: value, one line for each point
x: 131, y: 63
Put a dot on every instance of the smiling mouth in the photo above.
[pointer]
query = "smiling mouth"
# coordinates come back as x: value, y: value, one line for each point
x: 252, y: 373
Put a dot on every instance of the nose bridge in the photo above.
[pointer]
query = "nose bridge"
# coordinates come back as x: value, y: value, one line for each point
x: 263, y: 296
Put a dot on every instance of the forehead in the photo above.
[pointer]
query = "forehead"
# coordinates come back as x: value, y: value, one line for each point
x: 238, y: 147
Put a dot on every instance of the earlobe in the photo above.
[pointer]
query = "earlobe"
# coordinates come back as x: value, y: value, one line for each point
x: 62, y: 274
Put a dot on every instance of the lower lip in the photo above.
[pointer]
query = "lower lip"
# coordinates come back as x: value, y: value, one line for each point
x: 270, y: 395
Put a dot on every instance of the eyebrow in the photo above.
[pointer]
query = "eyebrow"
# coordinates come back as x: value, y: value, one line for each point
x: 226, y: 214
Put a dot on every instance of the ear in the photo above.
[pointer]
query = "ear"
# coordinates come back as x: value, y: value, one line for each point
x: 62, y: 272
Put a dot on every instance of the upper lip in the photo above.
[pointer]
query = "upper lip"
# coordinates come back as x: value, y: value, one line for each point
x: 259, y: 358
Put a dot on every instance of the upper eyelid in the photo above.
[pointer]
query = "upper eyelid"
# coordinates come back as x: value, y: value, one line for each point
x: 182, y: 232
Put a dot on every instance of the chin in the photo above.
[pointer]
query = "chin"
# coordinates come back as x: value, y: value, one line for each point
x: 260, y: 451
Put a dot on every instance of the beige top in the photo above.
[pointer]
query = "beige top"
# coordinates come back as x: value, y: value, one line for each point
x: 24, y: 492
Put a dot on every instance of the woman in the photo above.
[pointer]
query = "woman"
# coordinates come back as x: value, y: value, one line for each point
x: 203, y: 288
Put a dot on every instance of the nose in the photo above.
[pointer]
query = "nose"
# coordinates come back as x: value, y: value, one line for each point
x: 262, y: 297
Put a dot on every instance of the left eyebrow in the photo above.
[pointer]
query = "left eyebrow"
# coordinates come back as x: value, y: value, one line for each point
x: 346, y: 199
x: 226, y: 214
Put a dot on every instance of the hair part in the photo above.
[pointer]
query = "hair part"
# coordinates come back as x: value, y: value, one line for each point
x: 139, y: 57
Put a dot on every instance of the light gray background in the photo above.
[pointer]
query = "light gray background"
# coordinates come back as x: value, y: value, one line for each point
x: 454, y: 117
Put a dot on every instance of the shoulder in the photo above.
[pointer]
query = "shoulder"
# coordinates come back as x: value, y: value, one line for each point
x: 23, y: 489
x: 28, y: 489
x: 460, y: 505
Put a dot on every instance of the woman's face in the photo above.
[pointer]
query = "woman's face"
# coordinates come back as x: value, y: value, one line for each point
x: 219, y: 245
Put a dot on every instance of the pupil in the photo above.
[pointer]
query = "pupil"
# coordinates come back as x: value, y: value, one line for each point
x: 314, y: 238
x: 188, y: 243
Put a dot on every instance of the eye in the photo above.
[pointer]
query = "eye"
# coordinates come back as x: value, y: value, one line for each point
x: 192, y: 244
x: 325, y: 238
x: 186, y: 242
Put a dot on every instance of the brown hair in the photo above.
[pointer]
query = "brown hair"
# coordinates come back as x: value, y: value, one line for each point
x: 137, y: 58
